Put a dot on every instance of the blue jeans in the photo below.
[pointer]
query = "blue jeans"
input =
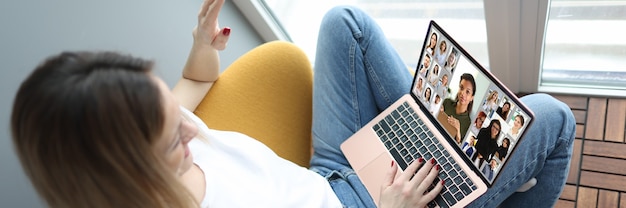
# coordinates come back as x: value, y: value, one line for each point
x: 358, y: 74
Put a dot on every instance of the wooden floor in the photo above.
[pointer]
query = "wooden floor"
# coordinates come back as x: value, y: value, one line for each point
x: 597, y: 176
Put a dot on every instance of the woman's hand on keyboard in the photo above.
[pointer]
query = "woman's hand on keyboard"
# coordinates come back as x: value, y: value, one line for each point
x: 411, y: 187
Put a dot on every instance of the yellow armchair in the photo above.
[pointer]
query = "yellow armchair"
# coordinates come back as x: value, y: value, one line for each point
x: 266, y: 94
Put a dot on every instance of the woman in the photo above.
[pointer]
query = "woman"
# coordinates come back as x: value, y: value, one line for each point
x: 503, y: 149
x: 430, y: 49
x: 427, y: 95
x: 491, y: 104
x: 123, y: 139
x: 458, y: 111
x: 420, y: 85
x: 517, y: 125
x: 504, y: 110
x: 440, y: 53
x: 451, y: 62
x: 425, y: 66
x: 435, y: 104
x: 433, y: 77
x: 478, y: 122
x: 442, y: 86
x: 103, y: 131
x: 486, y: 143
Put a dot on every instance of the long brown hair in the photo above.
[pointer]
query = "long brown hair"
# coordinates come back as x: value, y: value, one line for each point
x: 84, y: 126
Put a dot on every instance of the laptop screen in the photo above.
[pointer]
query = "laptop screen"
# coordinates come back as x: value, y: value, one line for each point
x: 480, y: 115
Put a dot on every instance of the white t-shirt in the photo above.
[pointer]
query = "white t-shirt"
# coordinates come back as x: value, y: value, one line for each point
x: 242, y: 172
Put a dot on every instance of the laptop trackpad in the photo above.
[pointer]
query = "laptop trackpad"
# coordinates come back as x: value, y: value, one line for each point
x: 375, y: 173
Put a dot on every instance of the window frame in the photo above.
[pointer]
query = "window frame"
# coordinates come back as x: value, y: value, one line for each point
x: 518, y: 67
x: 263, y: 20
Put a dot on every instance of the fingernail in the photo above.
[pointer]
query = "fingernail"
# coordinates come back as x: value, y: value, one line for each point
x: 437, y: 167
x: 432, y: 161
x: 392, y: 163
x: 226, y: 31
x: 420, y: 160
x: 443, y: 182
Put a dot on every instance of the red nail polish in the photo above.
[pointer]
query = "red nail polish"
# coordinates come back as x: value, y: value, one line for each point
x: 392, y: 163
x: 432, y: 161
x: 420, y: 160
x: 226, y: 31
x: 437, y: 167
x: 443, y: 182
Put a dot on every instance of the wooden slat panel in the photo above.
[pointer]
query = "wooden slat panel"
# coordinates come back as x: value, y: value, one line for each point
x: 574, y: 102
x: 579, y: 115
x: 569, y: 192
x: 587, y: 197
x: 580, y: 130
x: 615, y: 120
x: 602, y: 180
x: 572, y: 176
x: 564, y: 204
x: 601, y: 122
x: 596, y: 115
x: 601, y: 164
x: 608, y: 198
x: 607, y: 149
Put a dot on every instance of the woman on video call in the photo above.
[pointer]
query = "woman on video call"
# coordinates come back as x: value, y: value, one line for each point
x: 458, y: 111
x: 100, y: 129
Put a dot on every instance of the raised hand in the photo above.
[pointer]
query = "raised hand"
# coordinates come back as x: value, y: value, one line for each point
x: 208, y: 32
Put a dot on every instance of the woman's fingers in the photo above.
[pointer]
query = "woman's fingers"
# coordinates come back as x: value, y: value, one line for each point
x: 221, y: 39
x: 419, y: 177
x: 207, y: 17
x: 454, y: 122
x: 410, y: 171
x: 214, y: 8
x: 208, y: 31
x: 407, y: 190
x: 423, y: 179
x: 391, y: 174
x: 428, y: 179
x: 429, y: 196
x: 204, y: 8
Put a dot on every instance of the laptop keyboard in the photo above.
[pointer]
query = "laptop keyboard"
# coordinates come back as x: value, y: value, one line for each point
x: 407, y: 138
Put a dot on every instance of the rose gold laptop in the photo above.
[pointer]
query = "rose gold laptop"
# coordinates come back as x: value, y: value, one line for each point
x: 416, y: 126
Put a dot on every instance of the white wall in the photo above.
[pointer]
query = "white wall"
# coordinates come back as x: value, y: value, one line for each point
x: 34, y: 29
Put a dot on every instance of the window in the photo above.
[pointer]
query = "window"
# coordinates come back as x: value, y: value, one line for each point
x: 403, y: 21
x: 557, y: 46
x: 585, y: 46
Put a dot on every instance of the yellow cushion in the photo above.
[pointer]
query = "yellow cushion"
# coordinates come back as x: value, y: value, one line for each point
x: 266, y: 94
